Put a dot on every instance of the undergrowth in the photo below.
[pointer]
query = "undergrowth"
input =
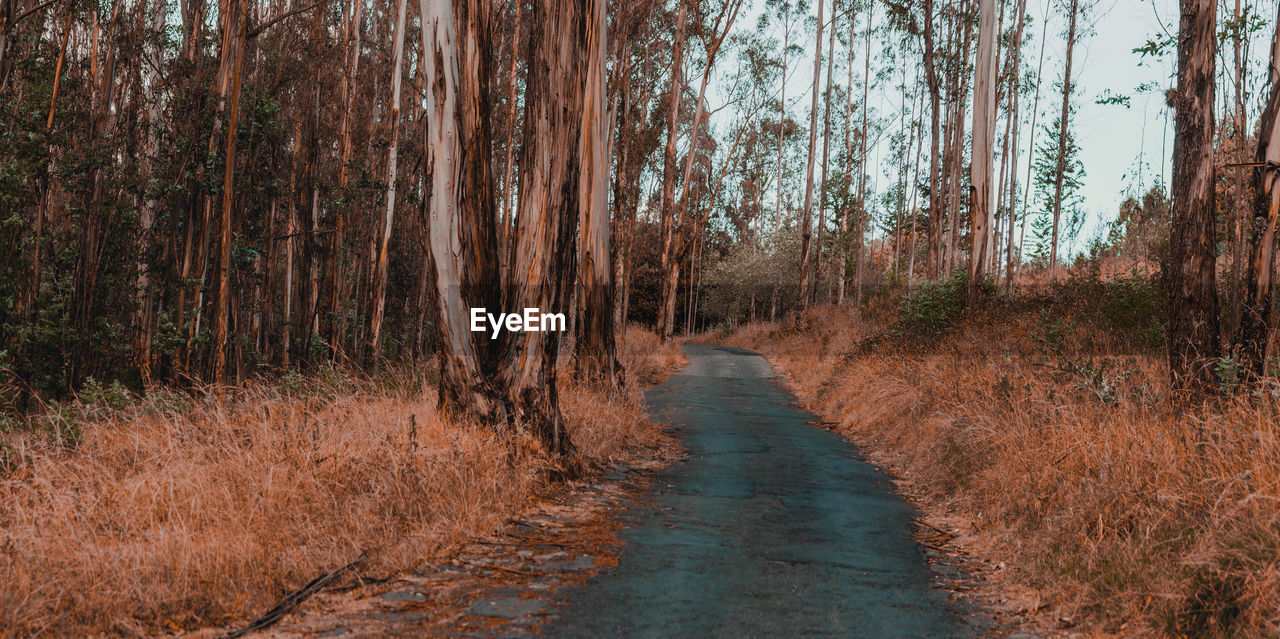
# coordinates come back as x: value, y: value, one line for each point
x: 130, y: 515
x: 1044, y: 418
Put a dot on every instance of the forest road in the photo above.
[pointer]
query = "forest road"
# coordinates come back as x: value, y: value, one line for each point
x: 771, y: 527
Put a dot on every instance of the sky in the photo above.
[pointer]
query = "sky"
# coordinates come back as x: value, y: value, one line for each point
x: 1112, y: 138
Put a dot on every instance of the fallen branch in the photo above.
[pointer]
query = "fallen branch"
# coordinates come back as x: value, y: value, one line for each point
x: 293, y: 599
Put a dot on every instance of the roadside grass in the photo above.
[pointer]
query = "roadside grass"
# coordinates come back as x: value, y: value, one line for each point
x: 1045, y: 420
x: 173, y: 511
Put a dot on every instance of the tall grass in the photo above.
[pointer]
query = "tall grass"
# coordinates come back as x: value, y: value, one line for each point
x: 1046, y: 422
x: 173, y: 512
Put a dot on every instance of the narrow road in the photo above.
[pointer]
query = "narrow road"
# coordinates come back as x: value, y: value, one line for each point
x: 770, y: 527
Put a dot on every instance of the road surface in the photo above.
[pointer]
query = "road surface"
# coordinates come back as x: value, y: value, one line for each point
x: 770, y: 527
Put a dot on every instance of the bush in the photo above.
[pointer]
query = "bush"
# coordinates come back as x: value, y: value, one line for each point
x: 932, y: 308
x: 1135, y: 309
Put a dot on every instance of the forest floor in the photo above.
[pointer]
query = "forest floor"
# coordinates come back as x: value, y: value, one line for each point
x: 127, y: 516
x: 1038, y: 437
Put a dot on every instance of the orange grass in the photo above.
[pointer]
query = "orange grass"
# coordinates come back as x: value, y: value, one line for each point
x: 1144, y: 519
x: 175, y: 513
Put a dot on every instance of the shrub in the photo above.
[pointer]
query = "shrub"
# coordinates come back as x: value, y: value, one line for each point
x: 1135, y: 309
x: 931, y: 308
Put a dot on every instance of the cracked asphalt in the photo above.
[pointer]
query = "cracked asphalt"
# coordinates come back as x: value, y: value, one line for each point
x: 770, y: 527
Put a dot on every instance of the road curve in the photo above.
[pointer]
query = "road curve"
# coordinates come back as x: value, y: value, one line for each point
x: 770, y: 527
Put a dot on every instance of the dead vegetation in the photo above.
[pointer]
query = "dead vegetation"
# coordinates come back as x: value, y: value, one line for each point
x: 1045, y: 421
x: 173, y: 512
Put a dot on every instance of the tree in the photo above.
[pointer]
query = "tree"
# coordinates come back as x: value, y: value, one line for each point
x: 461, y: 208
x: 1063, y: 123
x: 1257, y: 318
x: 807, y: 223
x: 595, y: 354
x: 984, y: 110
x: 378, y: 299
x: 1193, y: 296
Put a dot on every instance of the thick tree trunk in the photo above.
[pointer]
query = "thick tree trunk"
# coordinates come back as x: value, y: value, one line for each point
x: 147, y: 215
x: 1257, y: 316
x: 1193, y: 299
x: 596, y: 359
x: 984, y: 121
x: 547, y: 218
x: 933, y: 257
x: 461, y: 208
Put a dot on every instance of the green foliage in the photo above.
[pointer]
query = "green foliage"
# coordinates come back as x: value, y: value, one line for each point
x: 1134, y: 308
x: 1054, y: 330
x: 932, y: 308
x: 1227, y: 369
x: 1046, y: 180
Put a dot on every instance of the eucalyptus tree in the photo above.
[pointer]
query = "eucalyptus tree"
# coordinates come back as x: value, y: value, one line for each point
x: 1193, y: 297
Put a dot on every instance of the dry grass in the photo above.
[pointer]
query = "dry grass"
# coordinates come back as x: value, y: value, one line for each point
x: 1058, y: 442
x: 174, y: 513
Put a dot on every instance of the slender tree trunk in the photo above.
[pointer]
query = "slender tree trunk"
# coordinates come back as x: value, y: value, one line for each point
x: 668, y: 212
x: 221, y: 319
x: 826, y: 152
x: 1061, y: 173
x: 355, y: 29
x: 379, y: 298
x: 843, y: 250
x: 1239, y: 246
x: 984, y: 122
x: 1193, y: 299
x: 1031, y: 143
x: 957, y: 144
x: 807, y: 224
x: 1015, y: 89
x: 1257, y: 319
x: 861, y: 223
x: 147, y: 215
x: 504, y: 227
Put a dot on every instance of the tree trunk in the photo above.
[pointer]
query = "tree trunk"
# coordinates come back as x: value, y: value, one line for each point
x: 1014, y: 88
x: 504, y: 226
x: 236, y: 37
x: 547, y: 218
x: 379, y: 297
x: 1193, y: 299
x: 595, y: 351
x: 675, y: 88
x: 1258, y: 309
x: 461, y: 208
x: 807, y: 224
x: 843, y: 251
x: 337, y: 328
x: 933, y: 257
x: 826, y: 152
x: 1062, y: 139
x: 859, y: 226
x: 984, y: 121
